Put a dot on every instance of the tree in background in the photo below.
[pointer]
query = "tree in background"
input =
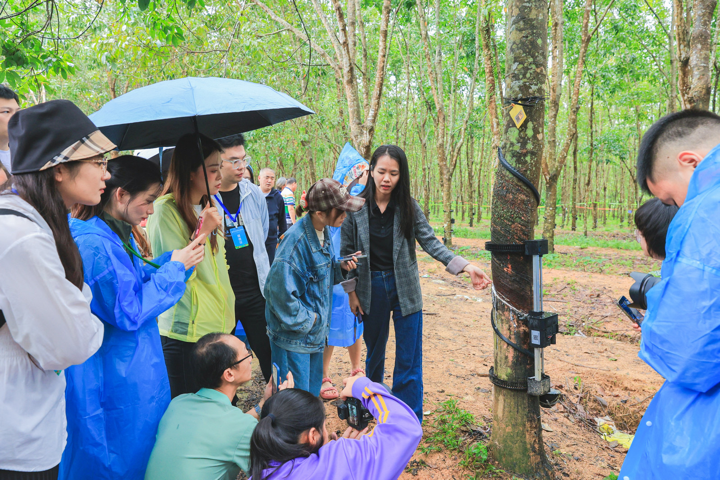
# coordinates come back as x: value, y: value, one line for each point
x: 448, y: 143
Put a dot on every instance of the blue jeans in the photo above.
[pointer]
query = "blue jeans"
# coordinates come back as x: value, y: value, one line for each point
x: 307, y: 368
x: 407, y: 375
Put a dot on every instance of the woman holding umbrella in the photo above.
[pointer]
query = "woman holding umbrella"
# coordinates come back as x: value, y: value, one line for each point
x: 115, y: 399
x: 182, y: 214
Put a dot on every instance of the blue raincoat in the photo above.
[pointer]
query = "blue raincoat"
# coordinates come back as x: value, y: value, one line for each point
x: 350, y: 165
x: 116, y: 398
x: 345, y: 328
x: 679, y: 435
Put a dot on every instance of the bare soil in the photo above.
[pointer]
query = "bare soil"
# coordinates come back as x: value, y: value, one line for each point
x: 594, y: 364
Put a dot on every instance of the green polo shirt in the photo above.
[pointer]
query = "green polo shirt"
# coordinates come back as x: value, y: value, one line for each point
x: 201, y: 437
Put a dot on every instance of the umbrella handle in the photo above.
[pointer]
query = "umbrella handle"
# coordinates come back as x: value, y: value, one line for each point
x: 202, y: 158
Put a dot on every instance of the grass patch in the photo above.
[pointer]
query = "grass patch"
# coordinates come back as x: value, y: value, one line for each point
x: 455, y: 430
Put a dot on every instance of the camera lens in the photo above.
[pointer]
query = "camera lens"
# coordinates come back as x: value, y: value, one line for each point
x: 638, y: 292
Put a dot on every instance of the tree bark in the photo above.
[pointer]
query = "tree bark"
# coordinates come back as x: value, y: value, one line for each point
x: 490, y: 99
x: 573, y: 217
x: 470, y: 166
x: 700, y: 52
x: 693, y: 33
x: 516, y: 441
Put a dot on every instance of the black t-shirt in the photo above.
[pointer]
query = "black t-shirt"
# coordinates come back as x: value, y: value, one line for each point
x: 381, y: 236
x: 243, y: 272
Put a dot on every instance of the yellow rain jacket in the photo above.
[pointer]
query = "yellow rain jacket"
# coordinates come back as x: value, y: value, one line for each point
x: 209, y: 302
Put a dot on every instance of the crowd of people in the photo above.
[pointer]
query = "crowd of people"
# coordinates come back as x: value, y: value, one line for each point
x: 122, y: 286
x: 118, y: 353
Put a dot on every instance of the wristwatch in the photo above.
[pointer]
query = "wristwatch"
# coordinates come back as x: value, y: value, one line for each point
x: 257, y: 410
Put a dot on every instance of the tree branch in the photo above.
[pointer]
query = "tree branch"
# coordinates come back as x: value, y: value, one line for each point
x: 300, y: 35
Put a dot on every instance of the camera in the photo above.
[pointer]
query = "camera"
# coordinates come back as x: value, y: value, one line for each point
x: 353, y: 411
x: 638, y: 291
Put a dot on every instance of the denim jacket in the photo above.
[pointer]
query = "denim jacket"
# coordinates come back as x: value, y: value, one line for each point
x: 298, y: 289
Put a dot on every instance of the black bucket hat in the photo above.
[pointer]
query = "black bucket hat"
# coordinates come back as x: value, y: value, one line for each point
x: 52, y: 133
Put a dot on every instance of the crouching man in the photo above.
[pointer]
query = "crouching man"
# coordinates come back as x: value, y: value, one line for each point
x: 202, y: 436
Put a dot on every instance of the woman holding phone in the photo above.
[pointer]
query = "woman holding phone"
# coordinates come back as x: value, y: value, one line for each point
x: 115, y: 399
x: 385, y: 229
x: 182, y: 214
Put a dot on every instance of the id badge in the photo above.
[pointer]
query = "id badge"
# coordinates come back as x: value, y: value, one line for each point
x: 239, y: 237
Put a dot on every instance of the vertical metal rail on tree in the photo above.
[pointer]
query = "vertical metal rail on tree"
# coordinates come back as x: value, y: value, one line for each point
x: 543, y: 326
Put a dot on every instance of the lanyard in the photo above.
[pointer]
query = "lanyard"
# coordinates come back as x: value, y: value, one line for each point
x: 234, y: 220
x: 136, y: 254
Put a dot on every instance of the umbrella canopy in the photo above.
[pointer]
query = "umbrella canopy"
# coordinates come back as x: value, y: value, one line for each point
x: 159, y: 114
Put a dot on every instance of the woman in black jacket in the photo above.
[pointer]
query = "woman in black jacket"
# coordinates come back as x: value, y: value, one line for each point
x: 386, y: 229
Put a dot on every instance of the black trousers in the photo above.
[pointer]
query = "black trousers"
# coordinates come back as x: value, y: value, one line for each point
x: 250, y: 312
x: 271, y: 247
x: 51, y: 474
x: 178, y: 360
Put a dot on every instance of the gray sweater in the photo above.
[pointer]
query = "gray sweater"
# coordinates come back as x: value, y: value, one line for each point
x: 356, y: 237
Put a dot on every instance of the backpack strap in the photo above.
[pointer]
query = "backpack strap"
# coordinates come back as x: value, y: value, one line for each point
x: 7, y: 211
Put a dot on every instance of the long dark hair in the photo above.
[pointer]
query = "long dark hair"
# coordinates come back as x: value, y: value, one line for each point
x: 39, y: 189
x: 401, y: 193
x: 185, y: 160
x: 133, y: 174
x: 276, y: 437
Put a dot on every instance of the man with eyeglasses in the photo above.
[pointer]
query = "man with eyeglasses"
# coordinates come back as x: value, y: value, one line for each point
x: 201, y: 434
x: 246, y: 229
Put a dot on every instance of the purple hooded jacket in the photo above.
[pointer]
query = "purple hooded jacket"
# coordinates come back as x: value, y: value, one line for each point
x: 383, y: 454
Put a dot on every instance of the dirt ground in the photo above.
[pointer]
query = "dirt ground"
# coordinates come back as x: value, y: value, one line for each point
x: 594, y: 364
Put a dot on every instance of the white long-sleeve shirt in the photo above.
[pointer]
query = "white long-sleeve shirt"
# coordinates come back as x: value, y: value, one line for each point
x: 49, y: 327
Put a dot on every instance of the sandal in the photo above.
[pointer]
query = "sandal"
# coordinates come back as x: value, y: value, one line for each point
x: 356, y: 371
x: 328, y: 393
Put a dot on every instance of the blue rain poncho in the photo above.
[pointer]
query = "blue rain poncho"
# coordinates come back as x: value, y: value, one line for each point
x: 350, y: 165
x: 679, y: 435
x: 116, y: 398
x: 345, y: 328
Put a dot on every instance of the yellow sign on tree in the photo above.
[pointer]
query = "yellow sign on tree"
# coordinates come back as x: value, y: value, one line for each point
x: 517, y: 112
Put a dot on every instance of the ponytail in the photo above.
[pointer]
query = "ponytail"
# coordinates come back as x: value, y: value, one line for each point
x: 284, y: 417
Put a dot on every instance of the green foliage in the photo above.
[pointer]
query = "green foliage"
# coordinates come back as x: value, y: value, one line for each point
x: 450, y: 427
x: 612, y: 476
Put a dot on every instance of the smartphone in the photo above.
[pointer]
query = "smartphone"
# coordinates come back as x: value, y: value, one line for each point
x: 632, y: 313
x: 350, y: 257
x: 276, y: 380
x: 197, y: 230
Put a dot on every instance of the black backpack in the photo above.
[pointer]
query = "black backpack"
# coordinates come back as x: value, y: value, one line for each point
x: 7, y: 211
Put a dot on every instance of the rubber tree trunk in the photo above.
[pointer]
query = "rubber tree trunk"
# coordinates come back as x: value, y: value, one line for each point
x: 516, y: 441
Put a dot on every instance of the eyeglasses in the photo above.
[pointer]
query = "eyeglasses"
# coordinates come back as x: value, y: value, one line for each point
x: 236, y: 164
x: 242, y: 359
x: 100, y: 162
